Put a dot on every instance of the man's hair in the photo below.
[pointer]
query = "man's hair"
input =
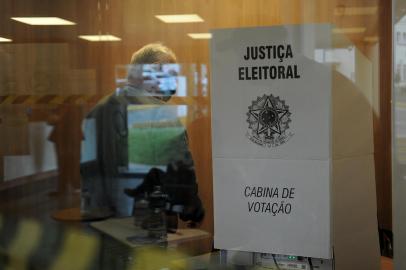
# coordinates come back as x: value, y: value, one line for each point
x: 153, y: 53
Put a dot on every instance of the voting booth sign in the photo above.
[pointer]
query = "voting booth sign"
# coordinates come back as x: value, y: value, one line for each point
x: 282, y: 161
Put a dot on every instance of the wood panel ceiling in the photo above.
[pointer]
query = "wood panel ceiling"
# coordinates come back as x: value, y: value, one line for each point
x: 134, y: 21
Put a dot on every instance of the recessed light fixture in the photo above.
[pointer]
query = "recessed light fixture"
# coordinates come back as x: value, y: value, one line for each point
x: 352, y: 11
x: 180, y: 18
x: 352, y: 30
x: 99, y: 38
x: 200, y: 35
x: 43, y: 20
x: 2, y: 39
x: 371, y: 39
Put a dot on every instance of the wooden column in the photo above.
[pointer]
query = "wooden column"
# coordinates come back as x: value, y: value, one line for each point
x: 382, y: 119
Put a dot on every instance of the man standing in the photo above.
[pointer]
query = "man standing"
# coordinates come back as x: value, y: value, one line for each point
x: 110, y: 117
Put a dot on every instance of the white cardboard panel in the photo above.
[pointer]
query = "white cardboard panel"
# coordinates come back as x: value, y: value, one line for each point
x: 352, y: 127
x: 331, y: 119
x: 308, y: 98
x: 305, y: 231
x: 355, y: 233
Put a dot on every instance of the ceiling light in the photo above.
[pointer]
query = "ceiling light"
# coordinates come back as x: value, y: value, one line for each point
x: 180, y: 18
x: 352, y: 30
x: 43, y: 20
x: 371, y: 39
x: 351, y: 11
x: 200, y: 35
x: 2, y: 39
x: 98, y: 38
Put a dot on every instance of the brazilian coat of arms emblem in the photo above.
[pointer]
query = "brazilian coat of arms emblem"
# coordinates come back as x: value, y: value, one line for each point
x: 268, y: 121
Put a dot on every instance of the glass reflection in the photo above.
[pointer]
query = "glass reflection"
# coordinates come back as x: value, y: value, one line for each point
x: 341, y: 59
x: 399, y: 133
x: 136, y: 149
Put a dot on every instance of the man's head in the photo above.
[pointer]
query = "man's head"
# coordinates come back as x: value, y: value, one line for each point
x: 151, y: 54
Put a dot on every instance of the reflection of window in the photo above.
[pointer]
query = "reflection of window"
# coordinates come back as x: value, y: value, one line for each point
x: 204, y: 79
x: 156, y: 134
x: 342, y: 59
x: 398, y: 36
x: 404, y: 73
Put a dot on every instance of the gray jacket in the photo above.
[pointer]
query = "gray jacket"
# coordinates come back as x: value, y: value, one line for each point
x: 110, y: 115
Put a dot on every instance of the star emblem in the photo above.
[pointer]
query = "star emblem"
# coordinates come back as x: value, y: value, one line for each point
x: 266, y: 116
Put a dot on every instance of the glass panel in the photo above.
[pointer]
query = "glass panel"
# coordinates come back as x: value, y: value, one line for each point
x: 89, y: 127
x: 399, y: 97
